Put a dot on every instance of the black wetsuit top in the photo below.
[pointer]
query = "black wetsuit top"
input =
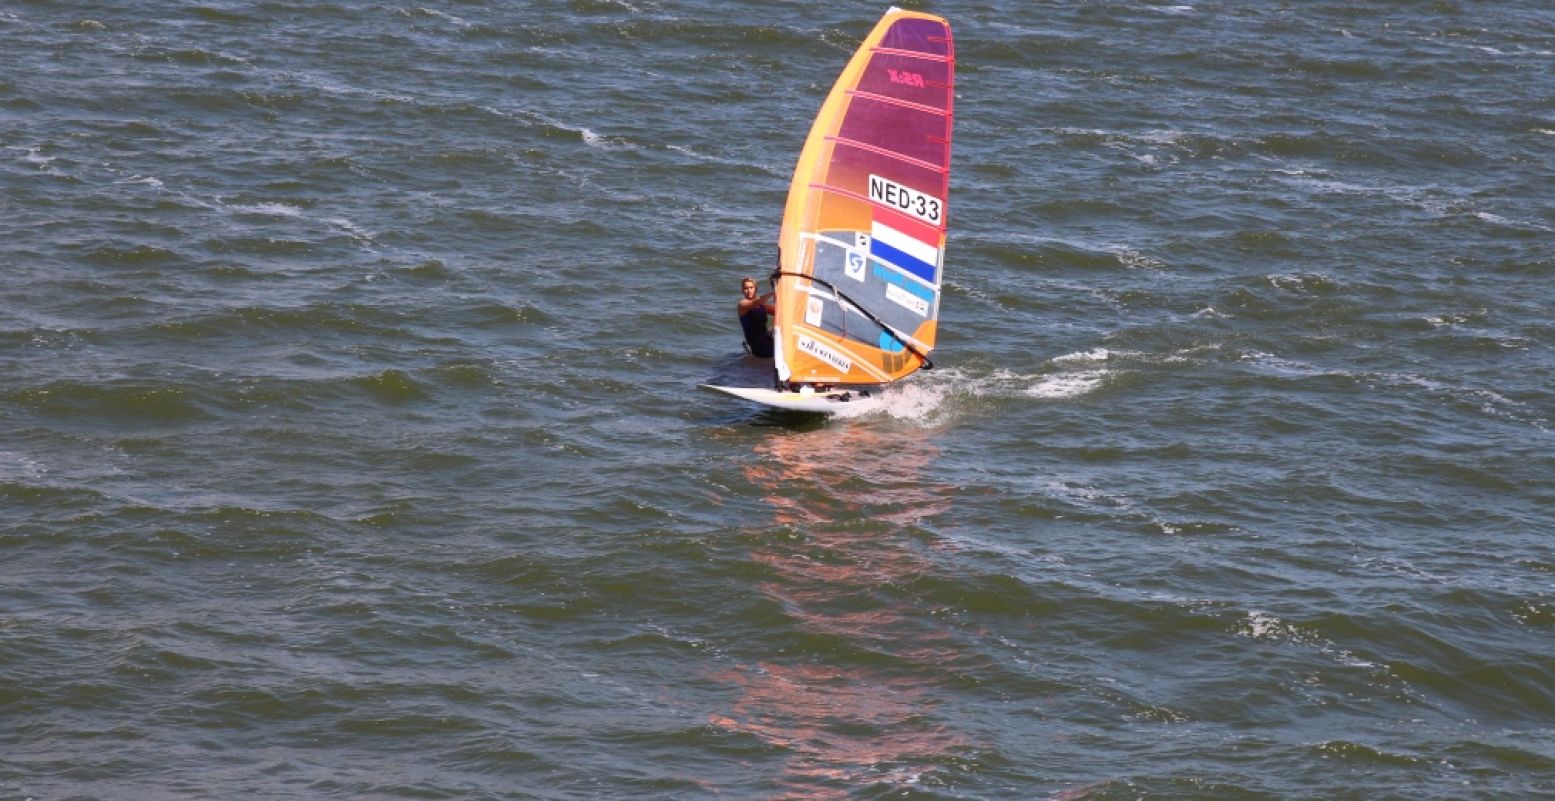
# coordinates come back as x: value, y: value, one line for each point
x: 757, y: 337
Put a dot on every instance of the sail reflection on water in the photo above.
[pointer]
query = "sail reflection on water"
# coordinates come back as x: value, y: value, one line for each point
x: 851, y: 696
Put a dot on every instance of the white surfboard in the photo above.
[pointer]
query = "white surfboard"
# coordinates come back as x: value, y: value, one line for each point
x: 828, y: 402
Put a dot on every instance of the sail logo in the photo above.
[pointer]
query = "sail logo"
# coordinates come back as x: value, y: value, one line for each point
x: 813, y: 311
x: 906, y: 78
x: 922, y: 205
x: 825, y: 354
x: 907, y: 300
x: 853, y: 267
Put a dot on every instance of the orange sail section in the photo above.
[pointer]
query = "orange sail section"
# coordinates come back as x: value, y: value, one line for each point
x: 863, y: 237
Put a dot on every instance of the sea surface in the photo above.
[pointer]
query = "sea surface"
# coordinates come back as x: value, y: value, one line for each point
x: 350, y: 445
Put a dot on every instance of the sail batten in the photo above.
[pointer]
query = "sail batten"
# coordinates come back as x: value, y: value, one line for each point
x: 867, y: 212
x: 894, y: 101
x: 910, y: 54
x: 848, y: 193
x: 890, y: 153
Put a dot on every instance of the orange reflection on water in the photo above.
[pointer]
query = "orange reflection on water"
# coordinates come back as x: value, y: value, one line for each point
x: 851, y: 699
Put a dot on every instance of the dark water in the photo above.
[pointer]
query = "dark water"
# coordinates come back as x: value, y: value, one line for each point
x: 349, y: 446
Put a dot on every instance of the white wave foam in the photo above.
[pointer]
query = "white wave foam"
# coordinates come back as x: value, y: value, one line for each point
x: 1412, y: 380
x: 35, y: 157
x: 17, y: 466
x: 1532, y: 613
x: 625, y: 5
x: 1488, y: 402
x: 1496, y: 219
x: 916, y: 402
x: 443, y: 15
x: 1274, y: 365
x: 588, y: 136
x: 1159, y: 137
x: 931, y: 397
x: 1269, y: 628
x: 1455, y: 319
x: 155, y: 183
x: 1136, y: 260
x: 351, y: 229
x: 1093, y: 355
x: 268, y: 209
x: 711, y: 159
x: 1264, y: 626
x: 1494, y: 404
x: 1089, y: 495
x: 1068, y: 385
x: 1295, y: 282
x: 291, y: 212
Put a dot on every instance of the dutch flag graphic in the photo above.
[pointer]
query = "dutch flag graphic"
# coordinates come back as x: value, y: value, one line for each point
x: 906, y: 244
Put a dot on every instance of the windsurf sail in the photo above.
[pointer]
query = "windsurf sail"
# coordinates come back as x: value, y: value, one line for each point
x: 863, y: 240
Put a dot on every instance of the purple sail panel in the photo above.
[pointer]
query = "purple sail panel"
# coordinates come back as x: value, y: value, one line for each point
x: 915, y: 80
x: 852, y: 165
x: 921, y: 35
x: 904, y: 130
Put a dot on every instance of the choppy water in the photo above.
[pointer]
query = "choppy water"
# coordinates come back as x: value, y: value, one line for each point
x: 349, y: 445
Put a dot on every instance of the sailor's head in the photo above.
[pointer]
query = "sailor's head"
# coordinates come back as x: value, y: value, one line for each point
x: 748, y: 286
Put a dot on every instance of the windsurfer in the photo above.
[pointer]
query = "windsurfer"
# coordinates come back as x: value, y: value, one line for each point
x: 754, y: 310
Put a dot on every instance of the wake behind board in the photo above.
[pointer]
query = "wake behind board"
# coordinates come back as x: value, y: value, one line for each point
x: 828, y: 402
